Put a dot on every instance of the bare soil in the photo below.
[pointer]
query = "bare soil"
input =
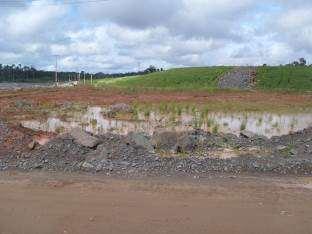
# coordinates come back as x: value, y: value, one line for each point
x: 94, y: 96
x: 40, y: 202
x: 58, y: 203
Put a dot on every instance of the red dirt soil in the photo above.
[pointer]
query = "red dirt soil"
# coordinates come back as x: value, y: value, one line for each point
x: 58, y: 203
x: 100, y: 96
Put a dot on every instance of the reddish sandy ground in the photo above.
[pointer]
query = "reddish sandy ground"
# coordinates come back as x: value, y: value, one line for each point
x: 58, y: 203
x: 233, y: 100
x: 100, y: 96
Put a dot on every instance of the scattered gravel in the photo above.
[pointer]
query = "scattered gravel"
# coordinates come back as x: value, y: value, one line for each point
x: 169, y: 154
x: 18, y: 86
x: 238, y: 78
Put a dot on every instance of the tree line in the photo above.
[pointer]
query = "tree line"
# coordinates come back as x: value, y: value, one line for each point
x: 19, y: 73
x: 301, y: 62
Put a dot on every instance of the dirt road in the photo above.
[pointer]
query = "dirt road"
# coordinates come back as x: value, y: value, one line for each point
x: 58, y: 203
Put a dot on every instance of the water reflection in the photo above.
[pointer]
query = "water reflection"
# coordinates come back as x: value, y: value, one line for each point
x: 267, y: 124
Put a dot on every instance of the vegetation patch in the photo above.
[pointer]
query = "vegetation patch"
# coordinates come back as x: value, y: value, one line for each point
x: 289, y: 78
x: 196, y: 78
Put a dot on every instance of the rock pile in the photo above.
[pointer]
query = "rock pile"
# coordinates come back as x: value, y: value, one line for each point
x: 168, y: 154
x: 238, y: 78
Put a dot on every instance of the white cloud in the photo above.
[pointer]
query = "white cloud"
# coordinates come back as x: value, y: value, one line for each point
x: 33, y: 19
x: 116, y: 35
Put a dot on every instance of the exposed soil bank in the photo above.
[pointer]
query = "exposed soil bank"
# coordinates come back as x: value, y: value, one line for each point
x: 219, y: 100
x: 74, y: 204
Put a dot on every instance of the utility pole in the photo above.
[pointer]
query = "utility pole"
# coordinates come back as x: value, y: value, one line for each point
x: 91, y: 79
x: 13, y: 74
x: 56, y: 78
x: 139, y: 66
x: 84, y: 77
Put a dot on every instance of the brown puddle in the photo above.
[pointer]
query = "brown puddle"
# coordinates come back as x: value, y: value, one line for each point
x: 265, y: 124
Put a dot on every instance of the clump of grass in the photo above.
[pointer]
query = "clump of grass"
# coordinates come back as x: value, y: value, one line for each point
x: 205, y: 111
x: 210, y: 123
x: 93, y: 123
x: 59, y: 130
x: 194, y: 109
x: 243, y: 126
x: 275, y: 125
x: 179, y: 110
x: 215, y: 129
x: 135, y: 114
x: 147, y: 113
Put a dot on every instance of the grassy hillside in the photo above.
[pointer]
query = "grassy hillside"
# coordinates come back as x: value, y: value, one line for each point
x: 285, y: 78
x: 197, y: 78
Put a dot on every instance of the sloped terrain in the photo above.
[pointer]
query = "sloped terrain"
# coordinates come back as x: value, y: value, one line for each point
x: 289, y: 78
x: 238, y: 78
x: 195, y: 78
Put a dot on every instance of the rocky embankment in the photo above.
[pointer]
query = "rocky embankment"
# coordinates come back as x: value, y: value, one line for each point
x: 195, y: 153
x: 238, y: 78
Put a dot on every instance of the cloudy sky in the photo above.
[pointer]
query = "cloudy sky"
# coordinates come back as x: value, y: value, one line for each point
x: 118, y: 35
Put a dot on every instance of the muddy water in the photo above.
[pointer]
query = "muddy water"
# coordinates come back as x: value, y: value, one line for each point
x: 93, y: 120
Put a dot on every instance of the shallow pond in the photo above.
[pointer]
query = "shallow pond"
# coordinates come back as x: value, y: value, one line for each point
x: 93, y: 120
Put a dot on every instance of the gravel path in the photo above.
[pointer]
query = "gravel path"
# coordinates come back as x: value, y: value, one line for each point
x: 238, y: 78
x: 17, y: 86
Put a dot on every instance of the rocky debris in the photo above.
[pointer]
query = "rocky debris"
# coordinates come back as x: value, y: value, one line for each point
x: 60, y: 154
x: 87, y: 165
x: 141, y: 139
x: 13, y: 139
x: 238, y: 78
x: 165, y: 141
x: 188, y: 142
x: 187, y: 153
x: 247, y: 134
x: 23, y: 85
x: 23, y: 104
x: 281, y: 147
x: 83, y: 138
x: 32, y: 145
x: 112, y: 110
x: 100, y: 153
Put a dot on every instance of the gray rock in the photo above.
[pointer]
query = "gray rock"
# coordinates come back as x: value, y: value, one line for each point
x: 165, y: 140
x: 293, y: 152
x: 32, y: 145
x: 87, y: 165
x: 281, y: 147
x: 83, y: 138
x: 141, y: 139
x: 23, y: 104
x: 247, y: 134
x: 118, y: 108
x: 186, y: 143
x: 100, y: 154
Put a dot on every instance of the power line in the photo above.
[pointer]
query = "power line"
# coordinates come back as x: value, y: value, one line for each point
x: 16, y: 3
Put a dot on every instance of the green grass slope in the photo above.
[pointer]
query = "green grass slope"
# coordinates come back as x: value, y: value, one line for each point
x: 285, y: 78
x: 195, y: 78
